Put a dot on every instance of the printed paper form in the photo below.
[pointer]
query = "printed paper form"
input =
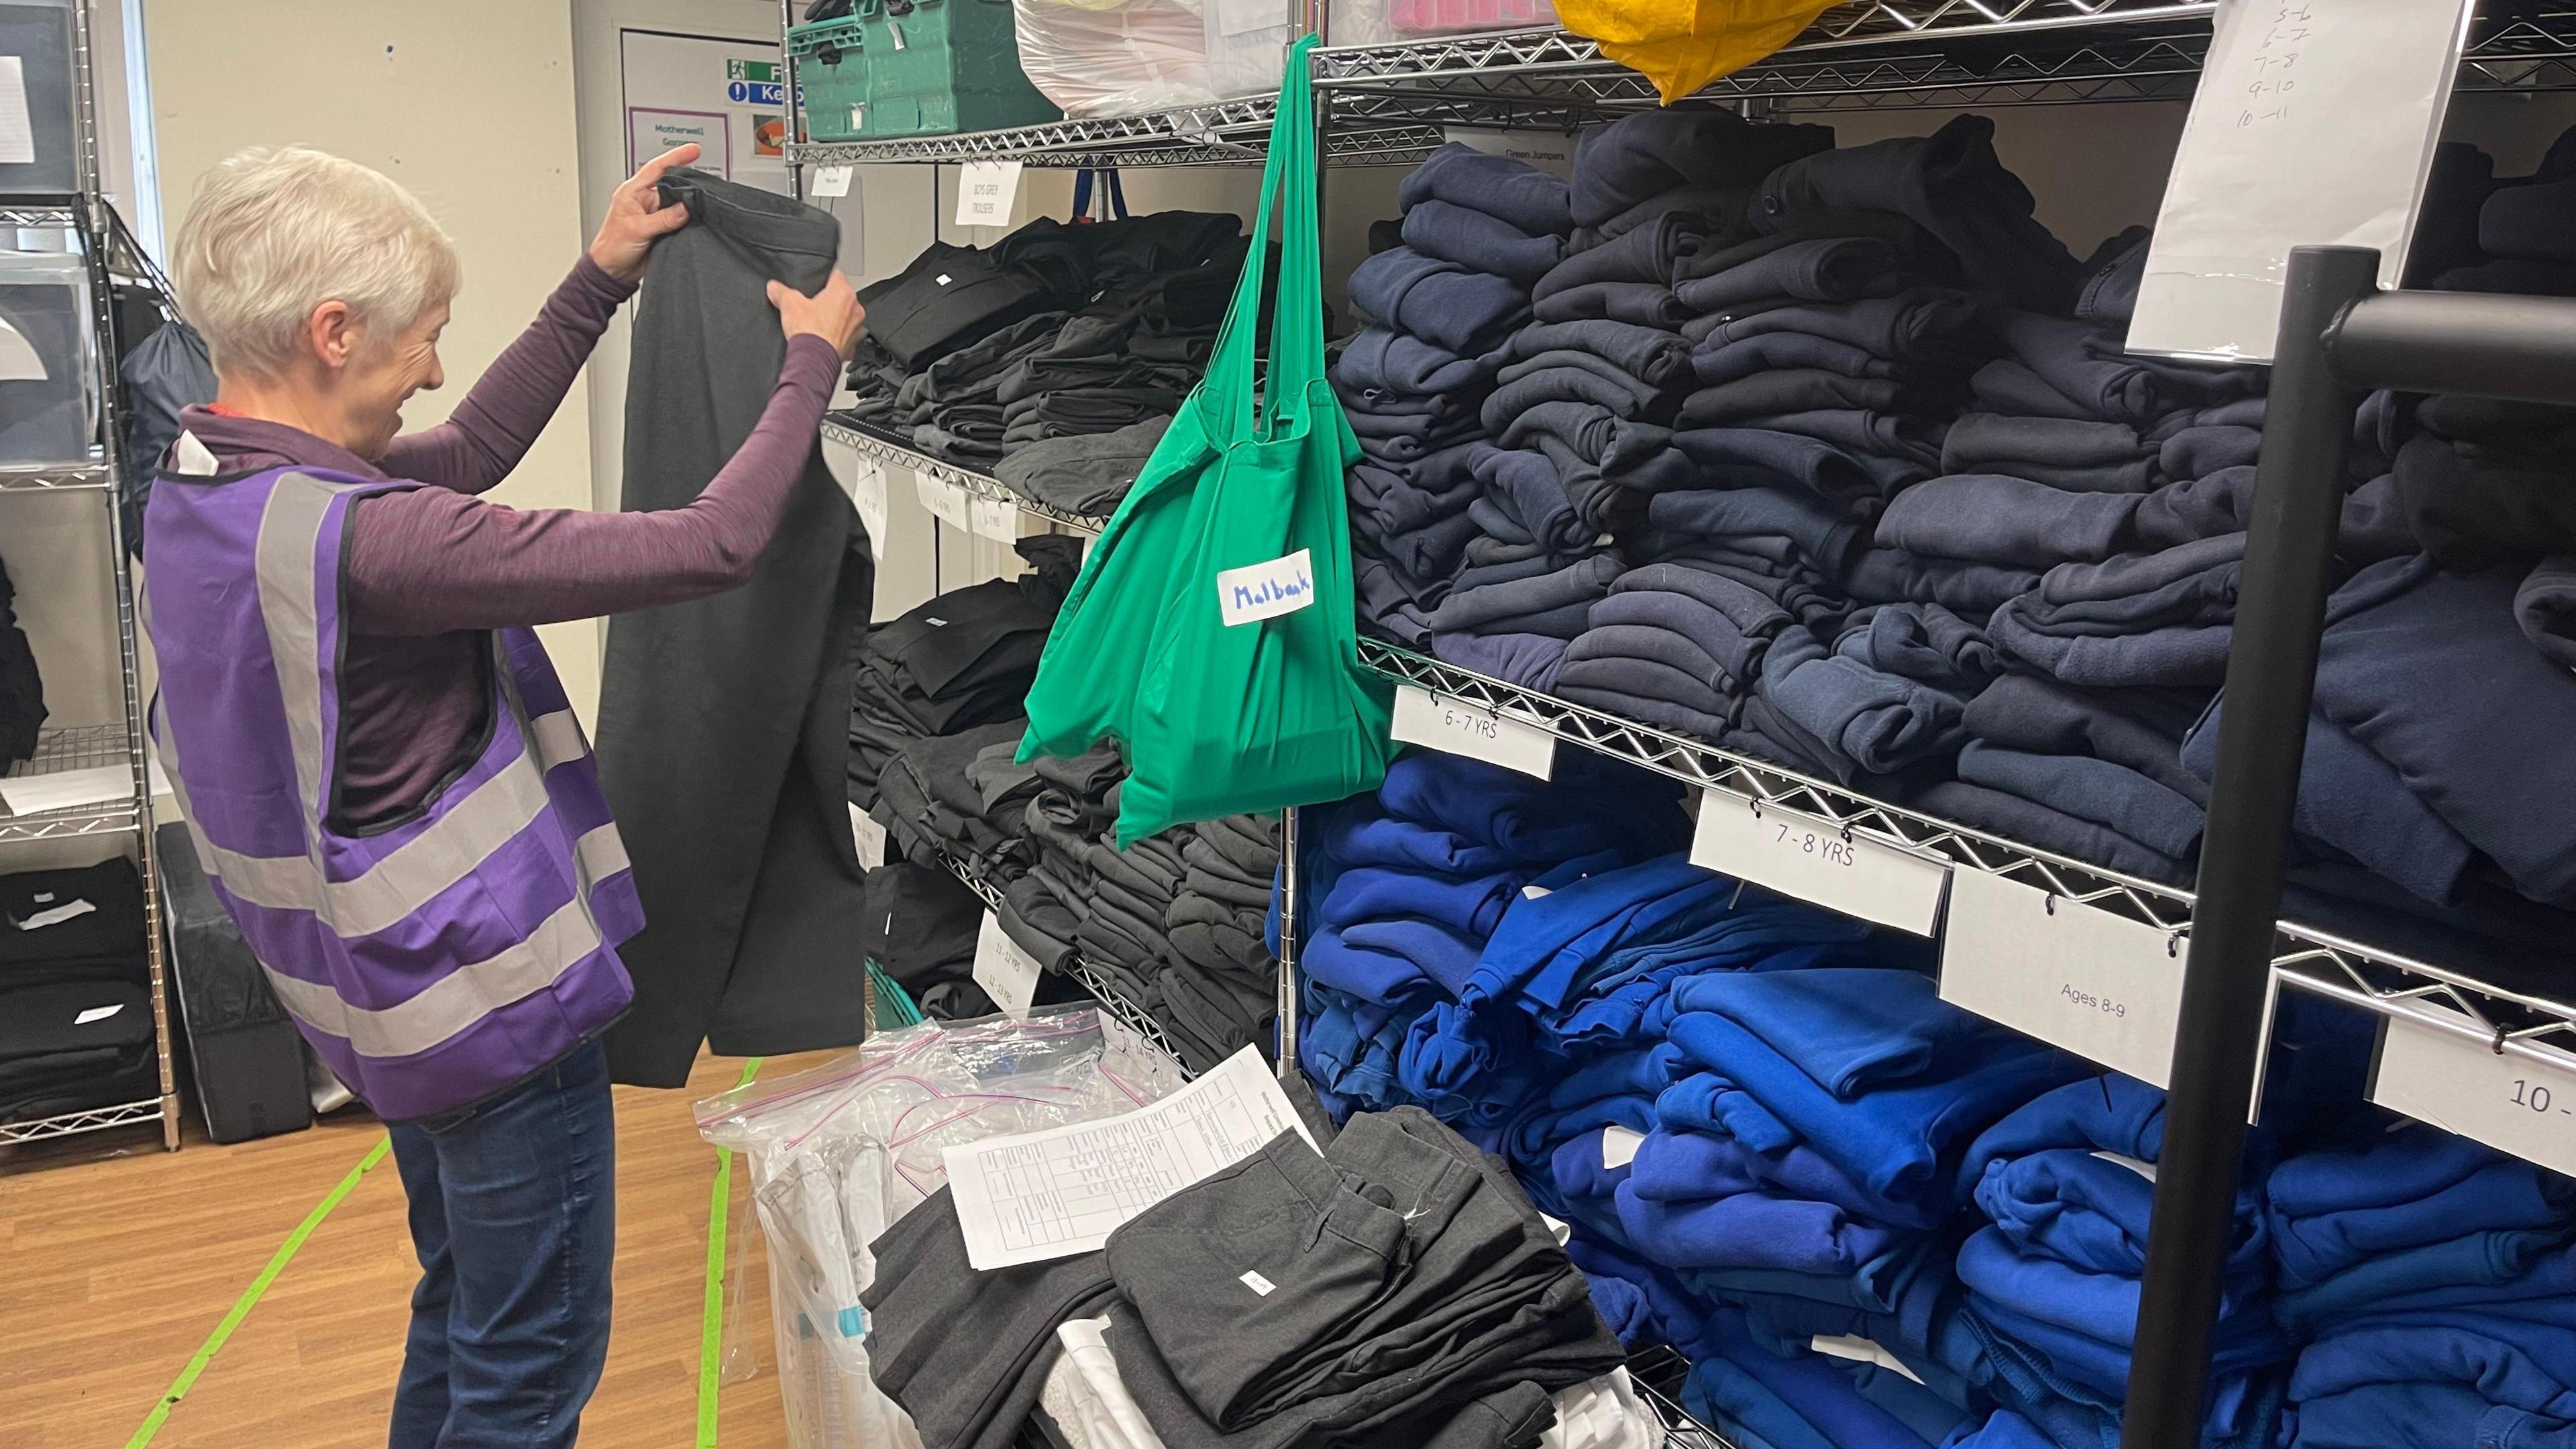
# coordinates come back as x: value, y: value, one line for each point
x: 1052, y: 1194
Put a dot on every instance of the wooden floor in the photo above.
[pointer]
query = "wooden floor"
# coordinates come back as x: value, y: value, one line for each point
x: 117, y: 1260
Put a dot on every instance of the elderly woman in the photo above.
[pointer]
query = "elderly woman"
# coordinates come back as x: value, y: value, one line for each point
x: 381, y: 771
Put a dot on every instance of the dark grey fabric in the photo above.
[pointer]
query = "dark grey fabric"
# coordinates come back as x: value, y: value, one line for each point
x: 1950, y: 183
x: 1793, y: 390
x: 1924, y: 642
x: 1880, y: 722
x: 2142, y: 619
x: 724, y: 723
x: 1379, y: 361
x: 2033, y: 823
x: 1649, y: 354
x: 1555, y: 604
x: 1995, y: 443
x: 1826, y: 269
x: 1823, y: 536
x: 1649, y: 253
x: 1525, y: 659
x: 1766, y: 351
x: 969, y: 1390
x: 1890, y: 576
x: 2135, y: 729
x: 1992, y: 518
x: 1645, y: 304
x: 1653, y: 152
x: 2545, y: 605
x: 1088, y: 475
x: 1929, y: 325
x: 2112, y: 796
x: 1441, y: 302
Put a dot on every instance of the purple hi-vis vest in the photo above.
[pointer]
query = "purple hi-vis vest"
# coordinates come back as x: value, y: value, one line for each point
x: 431, y: 963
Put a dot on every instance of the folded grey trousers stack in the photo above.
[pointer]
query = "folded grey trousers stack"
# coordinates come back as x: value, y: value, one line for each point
x: 1396, y: 1288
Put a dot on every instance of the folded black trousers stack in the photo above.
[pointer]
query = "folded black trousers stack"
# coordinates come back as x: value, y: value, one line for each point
x: 724, y: 723
x: 1396, y: 1289
x: 75, y: 992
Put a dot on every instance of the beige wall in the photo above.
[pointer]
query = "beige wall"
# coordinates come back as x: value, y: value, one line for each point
x: 467, y: 102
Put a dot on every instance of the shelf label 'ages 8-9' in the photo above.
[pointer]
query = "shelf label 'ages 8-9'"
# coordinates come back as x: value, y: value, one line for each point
x: 2099, y: 985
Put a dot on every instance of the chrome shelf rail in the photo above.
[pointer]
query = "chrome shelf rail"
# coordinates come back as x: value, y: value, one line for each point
x: 876, y: 448
x: 58, y: 751
x: 1111, y: 998
x: 2384, y: 982
x: 91, y: 1119
x: 91, y: 476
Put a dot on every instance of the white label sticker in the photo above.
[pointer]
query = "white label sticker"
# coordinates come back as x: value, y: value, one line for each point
x: 97, y: 1013
x: 1008, y: 974
x: 2314, y: 123
x: 1453, y: 726
x: 832, y: 180
x: 69, y: 910
x: 869, y: 836
x: 1266, y: 590
x: 1861, y: 1350
x: 993, y: 518
x: 868, y: 495
x: 1551, y: 151
x: 946, y: 501
x: 986, y: 195
x: 1259, y: 1284
x: 17, y: 133
x: 1814, y: 860
x: 2101, y: 986
x: 1535, y: 892
x: 2521, y: 1101
x: 2139, y: 1166
x: 1619, y: 1145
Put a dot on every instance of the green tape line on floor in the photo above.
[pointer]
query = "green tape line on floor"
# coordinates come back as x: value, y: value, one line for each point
x: 277, y: 1262
x: 711, y: 1327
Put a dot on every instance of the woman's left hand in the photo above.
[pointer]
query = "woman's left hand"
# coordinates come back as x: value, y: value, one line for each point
x: 637, y: 218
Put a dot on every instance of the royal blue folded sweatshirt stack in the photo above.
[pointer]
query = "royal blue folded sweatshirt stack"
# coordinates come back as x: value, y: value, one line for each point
x: 2434, y: 1284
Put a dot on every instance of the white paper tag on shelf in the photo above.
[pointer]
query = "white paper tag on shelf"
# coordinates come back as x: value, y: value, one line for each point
x: 2522, y: 1101
x: 946, y: 501
x: 868, y: 495
x: 71, y: 789
x: 55, y: 916
x: 993, y: 518
x: 1052, y: 1194
x: 987, y: 193
x: 1008, y: 974
x: 2314, y: 124
x: 868, y: 836
x: 1619, y: 1146
x: 832, y: 180
x: 2142, y: 1168
x: 1551, y: 151
x: 2101, y: 986
x: 1266, y: 590
x: 17, y: 133
x: 1802, y: 856
x: 97, y: 1013
x: 1453, y: 726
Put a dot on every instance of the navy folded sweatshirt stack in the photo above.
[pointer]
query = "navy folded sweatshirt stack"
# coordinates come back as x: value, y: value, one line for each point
x: 1477, y: 231
x: 2433, y: 1284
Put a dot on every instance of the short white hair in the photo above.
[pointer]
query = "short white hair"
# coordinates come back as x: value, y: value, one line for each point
x: 276, y: 231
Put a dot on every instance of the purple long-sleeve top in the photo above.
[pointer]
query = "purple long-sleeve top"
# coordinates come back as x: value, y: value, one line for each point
x: 429, y: 570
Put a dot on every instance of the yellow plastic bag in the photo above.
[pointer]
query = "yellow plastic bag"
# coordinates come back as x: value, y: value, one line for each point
x: 1682, y: 45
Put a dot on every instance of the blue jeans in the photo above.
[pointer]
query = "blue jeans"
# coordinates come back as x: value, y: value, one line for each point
x: 514, y: 1218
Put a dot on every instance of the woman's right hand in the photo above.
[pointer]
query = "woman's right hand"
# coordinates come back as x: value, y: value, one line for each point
x: 833, y: 314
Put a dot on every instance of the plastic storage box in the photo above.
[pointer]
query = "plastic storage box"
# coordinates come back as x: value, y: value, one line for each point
x: 832, y: 76
x: 36, y: 41
x: 937, y: 66
x: 1121, y: 58
x: 48, y: 373
x: 1452, y: 17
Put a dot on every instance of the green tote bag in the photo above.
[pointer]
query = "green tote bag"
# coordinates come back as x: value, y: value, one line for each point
x: 1211, y: 631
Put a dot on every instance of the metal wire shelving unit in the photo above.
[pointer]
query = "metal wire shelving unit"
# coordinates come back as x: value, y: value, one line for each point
x: 88, y: 225
x: 2310, y: 958
x: 1391, y: 103
x: 1106, y: 991
x: 878, y: 448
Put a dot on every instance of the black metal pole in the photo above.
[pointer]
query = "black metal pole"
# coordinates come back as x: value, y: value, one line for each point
x: 2271, y: 679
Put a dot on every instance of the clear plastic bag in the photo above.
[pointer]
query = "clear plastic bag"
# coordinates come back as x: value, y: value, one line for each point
x: 835, y: 1154
x: 1120, y: 58
x: 1248, y: 40
x: 1452, y: 17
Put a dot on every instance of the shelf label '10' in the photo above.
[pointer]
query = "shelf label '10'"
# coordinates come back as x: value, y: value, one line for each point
x: 2522, y: 1101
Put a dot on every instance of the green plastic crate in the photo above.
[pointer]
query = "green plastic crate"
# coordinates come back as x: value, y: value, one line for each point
x: 831, y: 76
x: 937, y: 66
